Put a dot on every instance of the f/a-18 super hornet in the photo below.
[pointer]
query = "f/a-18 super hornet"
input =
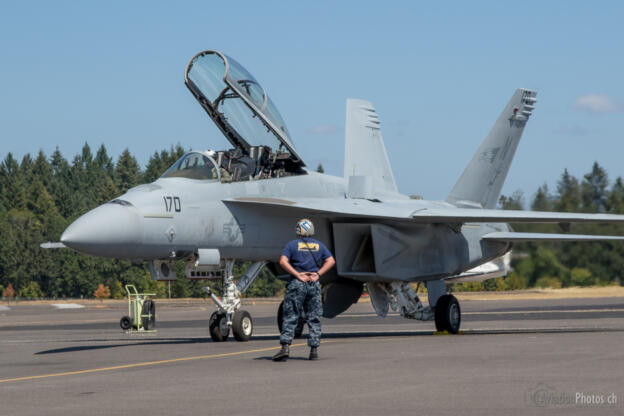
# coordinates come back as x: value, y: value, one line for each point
x: 214, y: 207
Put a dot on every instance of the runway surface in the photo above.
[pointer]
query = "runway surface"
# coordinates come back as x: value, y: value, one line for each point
x: 557, y: 356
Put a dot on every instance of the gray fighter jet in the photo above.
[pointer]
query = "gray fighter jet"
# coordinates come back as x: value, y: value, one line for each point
x: 213, y: 207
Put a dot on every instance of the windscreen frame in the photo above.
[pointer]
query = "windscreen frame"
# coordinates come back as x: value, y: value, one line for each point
x: 184, y: 157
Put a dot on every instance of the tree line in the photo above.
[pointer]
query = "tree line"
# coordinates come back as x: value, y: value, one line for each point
x: 41, y: 196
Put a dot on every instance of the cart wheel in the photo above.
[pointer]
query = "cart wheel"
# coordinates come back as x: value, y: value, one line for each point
x: 242, y: 326
x: 125, y: 323
x: 148, y: 314
x: 219, y: 329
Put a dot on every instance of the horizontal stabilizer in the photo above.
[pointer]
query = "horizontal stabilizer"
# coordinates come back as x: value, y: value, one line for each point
x: 519, y: 237
x: 462, y: 215
x: 50, y: 244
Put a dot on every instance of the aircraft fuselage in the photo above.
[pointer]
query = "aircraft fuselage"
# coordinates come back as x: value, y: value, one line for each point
x: 174, y: 217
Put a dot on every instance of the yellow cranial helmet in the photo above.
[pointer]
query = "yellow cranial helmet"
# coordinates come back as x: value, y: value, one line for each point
x: 304, y: 228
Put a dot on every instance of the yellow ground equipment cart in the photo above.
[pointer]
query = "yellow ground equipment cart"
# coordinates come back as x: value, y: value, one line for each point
x: 141, y: 311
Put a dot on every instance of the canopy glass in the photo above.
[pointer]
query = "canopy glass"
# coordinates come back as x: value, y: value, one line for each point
x: 193, y: 165
x: 237, y: 103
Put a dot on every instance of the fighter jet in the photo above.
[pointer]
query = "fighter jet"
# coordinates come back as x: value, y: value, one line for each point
x: 212, y: 208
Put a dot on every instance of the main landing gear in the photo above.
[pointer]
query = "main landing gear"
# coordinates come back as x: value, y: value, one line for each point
x: 447, y: 314
x: 399, y: 296
x: 228, y: 316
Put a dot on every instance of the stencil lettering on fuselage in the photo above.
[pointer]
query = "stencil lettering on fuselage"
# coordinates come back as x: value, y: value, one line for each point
x: 232, y: 230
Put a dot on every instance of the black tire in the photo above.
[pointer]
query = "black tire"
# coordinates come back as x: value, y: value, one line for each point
x: 219, y: 331
x: 242, y: 326
x: 280, y: 321
x: 125, y: 323
x: 448, y: 314
x: 148, y: 312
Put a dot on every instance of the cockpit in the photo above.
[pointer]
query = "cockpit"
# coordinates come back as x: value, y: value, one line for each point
x: 246, y: 116
x: 193, y: 165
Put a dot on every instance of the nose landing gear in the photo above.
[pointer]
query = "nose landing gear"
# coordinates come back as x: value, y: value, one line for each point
x: 229, y: 316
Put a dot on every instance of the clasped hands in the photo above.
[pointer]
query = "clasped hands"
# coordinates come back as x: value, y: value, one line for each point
x: 308, y: 276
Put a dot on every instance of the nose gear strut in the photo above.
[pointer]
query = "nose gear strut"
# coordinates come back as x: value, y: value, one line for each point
x: 229, y: 315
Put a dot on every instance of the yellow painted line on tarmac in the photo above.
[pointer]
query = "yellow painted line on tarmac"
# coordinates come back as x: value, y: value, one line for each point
x: 60, y: 322
x: 143, y: 364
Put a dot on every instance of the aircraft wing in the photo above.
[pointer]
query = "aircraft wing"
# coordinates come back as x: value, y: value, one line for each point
x: 336, y: 208
x: 404, y: 211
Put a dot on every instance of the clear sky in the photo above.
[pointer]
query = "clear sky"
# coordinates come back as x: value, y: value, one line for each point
x: 439, y: 73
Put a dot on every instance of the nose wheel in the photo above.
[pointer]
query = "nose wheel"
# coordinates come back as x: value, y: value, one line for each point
x: 219, y: 329
x: 229, y: 316
x: 242, y: 325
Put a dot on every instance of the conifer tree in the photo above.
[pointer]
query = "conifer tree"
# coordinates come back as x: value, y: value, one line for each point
x: 542, y: 200
x: 42, y: 170
x: 104, y: 162
x: 127, y: 172
x: 594, y: 189
x: 569, y: 198
x: 12, y: 184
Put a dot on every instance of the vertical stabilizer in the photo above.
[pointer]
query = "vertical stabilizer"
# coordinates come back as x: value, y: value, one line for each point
x: 365, y: 153
x: 483, y: 178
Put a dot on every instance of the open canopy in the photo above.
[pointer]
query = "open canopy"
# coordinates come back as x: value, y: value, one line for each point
x: 238, y: 104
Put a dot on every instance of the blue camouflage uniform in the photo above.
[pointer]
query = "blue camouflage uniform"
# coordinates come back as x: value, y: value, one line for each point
x: 305, y: 254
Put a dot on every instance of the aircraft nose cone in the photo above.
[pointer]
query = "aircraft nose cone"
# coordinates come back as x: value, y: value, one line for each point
x: 110, y: 230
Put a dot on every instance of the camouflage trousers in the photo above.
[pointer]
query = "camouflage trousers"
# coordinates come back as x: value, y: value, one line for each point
x: 302, y: 299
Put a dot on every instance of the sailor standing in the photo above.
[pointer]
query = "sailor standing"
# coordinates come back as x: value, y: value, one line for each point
x: 305, y: 259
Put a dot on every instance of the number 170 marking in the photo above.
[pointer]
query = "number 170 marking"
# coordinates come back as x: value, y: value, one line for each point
x: 172, y: 202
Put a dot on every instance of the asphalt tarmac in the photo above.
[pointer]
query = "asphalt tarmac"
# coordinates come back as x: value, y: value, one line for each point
x: 552, y: 357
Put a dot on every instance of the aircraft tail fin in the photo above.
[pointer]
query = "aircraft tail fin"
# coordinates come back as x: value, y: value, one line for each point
x: 365, y: 153
x: 481, y: 183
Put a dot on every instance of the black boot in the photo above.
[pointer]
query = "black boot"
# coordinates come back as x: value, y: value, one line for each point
x: 282, y: 354
x: 313, y: 354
